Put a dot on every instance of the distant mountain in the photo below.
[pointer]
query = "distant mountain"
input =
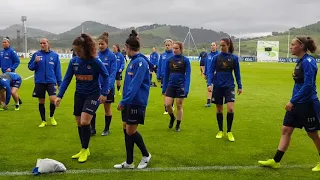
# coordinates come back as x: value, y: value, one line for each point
x: 90, y: 27
x: 155, y: 34
x: 11, y: 32
x: 179, y: 33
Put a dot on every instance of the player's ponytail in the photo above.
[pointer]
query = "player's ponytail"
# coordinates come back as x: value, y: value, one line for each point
x: 308, y: 42
x: 88, y: 46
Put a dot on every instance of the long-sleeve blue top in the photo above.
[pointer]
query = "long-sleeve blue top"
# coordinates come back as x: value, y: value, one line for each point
x: 305, y: 90
x: 109, y: 60
x: 223, y: 65
x: 87, y: 74
x: 6, y: 80
x: 137, y: 82
x: 208, y: 60
x: 177, y: 73
x: 48, y: 69
x: 9, y: 59
x: 162, y: 63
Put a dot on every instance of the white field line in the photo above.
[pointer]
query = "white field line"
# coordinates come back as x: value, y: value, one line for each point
x: 28, y: 77
x: 168, y: 169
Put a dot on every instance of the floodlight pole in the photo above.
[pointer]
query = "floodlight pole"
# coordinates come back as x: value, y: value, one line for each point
x: 288, y: 44
x: 24, y: 19
x: 239, y: 45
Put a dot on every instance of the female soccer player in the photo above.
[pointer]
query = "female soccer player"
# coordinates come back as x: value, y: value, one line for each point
x: 87, y: 68
x: 154, y: 58
x: 176, y: 83
x: 9, y: 84
x: 202, y: 58
x: 303, y: 108
x: 133, y: 104
x: 221, y: 68
x: 164, y: 57
x: 120, y: 66
x: 9, y: 60
x: 46, y: 65
x: 207, y: 63
x: 109, y: 60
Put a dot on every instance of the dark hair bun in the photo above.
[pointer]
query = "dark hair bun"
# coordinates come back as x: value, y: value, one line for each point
x: 84, y: 35
x: 133, y: 33
x: 105, y: 34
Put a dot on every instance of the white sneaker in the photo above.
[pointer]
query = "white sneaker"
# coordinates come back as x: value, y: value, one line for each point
x: 124, y: 165
x: 144, y: 162
x: 165, y: 112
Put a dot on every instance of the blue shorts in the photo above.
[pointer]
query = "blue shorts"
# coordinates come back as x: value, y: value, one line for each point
x: 175, y: 92
x: 133, y: 114
x: 222, y: 93
x: 303, y: 115
x: 110, y: 97
x: 202, y: 63
x: 119, y: 76
x: 85, y: 103
x: 41, y: 89
x: 17, y: 83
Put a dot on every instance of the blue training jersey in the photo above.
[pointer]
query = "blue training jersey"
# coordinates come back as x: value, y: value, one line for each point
x: 9, y: 59
x: 48, y: 69
x: 162, y: 63
x: 87, y: 74
x: 109, y: 60
x: 221, y: 71
x: 177, y: 73
x: 202, y: 57
x: 305, y: 74
x: 6, y: 81
x: 136, y: 85
x: 208, y: 61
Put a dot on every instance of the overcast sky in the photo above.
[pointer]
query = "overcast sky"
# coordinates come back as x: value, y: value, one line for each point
x: 231, y: 16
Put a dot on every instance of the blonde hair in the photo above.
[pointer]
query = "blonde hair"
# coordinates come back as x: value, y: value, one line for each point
x: 168, y: 40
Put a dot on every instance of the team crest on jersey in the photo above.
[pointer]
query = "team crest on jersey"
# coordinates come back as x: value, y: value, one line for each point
x: 224, y: 64
x: 131, y: 66
x: 229, y: 59
x: 75, y: 66
x: 140, y: 63
x: 89, y: 67
x: 106, y: 58
x: 51, y: 58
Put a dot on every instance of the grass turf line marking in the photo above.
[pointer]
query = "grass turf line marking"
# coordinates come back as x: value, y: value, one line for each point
x: 28, y: 77
x: 169, y: 169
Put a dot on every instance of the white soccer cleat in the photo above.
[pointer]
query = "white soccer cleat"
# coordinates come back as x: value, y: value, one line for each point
x: 165, y: 112
x: 144, y: 162
x: 124, y: 165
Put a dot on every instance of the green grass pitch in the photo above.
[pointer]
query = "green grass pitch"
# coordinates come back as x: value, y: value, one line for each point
x: 259, y: 112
